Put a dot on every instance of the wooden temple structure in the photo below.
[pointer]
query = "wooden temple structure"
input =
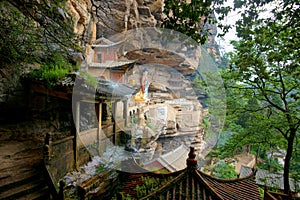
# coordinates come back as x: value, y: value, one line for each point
x: 65, y: 153
x: 186, y: 184
x: 105, y: 63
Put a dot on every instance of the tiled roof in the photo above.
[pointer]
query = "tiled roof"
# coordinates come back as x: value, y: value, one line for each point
x: 104, y: 42
x: 186, y: 185
x: 189, y: 183
x: 111, y: 64
x: 172, y: 161
x: 264, y: 177
x: 74, y: 84
x: 111, y: 89
x: 231, y: 189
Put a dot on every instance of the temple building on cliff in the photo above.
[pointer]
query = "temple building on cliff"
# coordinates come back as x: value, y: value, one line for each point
x: 105, y: 63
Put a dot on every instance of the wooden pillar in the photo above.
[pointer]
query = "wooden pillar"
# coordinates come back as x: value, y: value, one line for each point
x: 125, y: 113
x: 114, y: 118
x: 77, y: 126
x: 99, y: 137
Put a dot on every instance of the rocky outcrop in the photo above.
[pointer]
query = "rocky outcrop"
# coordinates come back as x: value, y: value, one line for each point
x: 118, y: 16
x: 83, y: 20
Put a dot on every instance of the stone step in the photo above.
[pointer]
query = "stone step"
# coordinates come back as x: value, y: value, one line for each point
x: 33, y: 187
x: 23, y: 182
x: 12, y: 179
x: 42, y: 194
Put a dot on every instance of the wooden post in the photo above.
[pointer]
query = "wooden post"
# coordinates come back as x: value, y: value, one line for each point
x: 125, y: 113
x: 114, y: 118
x: 77, y: 126
x: 99, y: 137
x: 73, y: 133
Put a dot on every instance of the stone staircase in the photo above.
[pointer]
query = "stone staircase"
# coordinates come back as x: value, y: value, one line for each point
x: 24, y: 185
x: 21, y: 172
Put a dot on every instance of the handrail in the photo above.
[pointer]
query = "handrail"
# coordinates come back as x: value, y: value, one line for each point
x: 54, y: 192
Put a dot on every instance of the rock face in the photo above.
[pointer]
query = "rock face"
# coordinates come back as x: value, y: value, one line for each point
x: 118, y: 16
x: 92, y: 19
x: 84, y: 22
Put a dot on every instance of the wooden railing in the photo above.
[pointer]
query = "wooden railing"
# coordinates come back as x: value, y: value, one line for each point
x: 56, y: 154
x: 56, y: 193
x: 99, y: 185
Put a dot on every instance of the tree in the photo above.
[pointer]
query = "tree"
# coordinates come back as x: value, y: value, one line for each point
x: 188, y: 18
x: 51, y: 21
x: 265, y: 69
x: 33, y: 33
x: 223, y: 170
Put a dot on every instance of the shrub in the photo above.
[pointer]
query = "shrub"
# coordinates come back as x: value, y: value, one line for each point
x: 53, y: 70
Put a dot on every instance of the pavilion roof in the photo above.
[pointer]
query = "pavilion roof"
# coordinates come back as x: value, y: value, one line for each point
x: 189, y: 183
x: 103, y: 42
x: 106, y: 89
x: 171, y: 161
x: 112, y: 64
x: 239, y: 188
x: 73, y: 84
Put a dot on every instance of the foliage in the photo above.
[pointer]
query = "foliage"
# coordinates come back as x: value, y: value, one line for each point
x: 19, y: 40
x: 100, y: 168
x: 263, y: 82
x: 199, y: 86
x: 53, y: 21
x: 149, y: 125
x: 89, y: 79
x: 270, y: 164
x: 261, y: 192
x: 148, y: 185
x: 33, y: 32
x: 53, y: 70
x: 211, y: 84
x: 295, y: 164
x: 206, y: 122
x: 223, y: 170
x: 123, y: 197
x: 224, y: 137
x: 136, y: 120
x: 188, y: 18
x: 252, y: 12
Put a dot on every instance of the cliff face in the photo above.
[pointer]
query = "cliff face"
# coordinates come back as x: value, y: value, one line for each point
x: 83, y: 22
x: 92, y: 19
x: 110, y: 17
x: 118, y: 16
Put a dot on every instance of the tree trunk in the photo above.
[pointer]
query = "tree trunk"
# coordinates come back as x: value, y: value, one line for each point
x: 287, y: 161
x: 257, y: 154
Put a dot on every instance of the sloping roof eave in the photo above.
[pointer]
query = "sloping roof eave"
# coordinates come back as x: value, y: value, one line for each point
x: 227, y: 188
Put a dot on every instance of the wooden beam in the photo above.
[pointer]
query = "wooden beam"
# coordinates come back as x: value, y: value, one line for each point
x: 43, y: 90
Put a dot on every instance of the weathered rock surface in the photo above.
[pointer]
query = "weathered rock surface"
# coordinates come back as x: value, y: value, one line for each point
x: 119, y: 16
